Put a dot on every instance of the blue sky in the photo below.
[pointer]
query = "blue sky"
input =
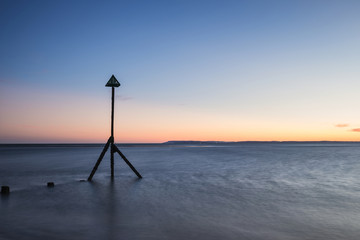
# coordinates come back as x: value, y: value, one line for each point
x: 289, y: 63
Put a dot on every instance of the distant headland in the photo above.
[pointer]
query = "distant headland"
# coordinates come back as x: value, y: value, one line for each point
x: 242, y: 142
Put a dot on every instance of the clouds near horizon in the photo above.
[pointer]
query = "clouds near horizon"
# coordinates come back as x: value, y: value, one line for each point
x: 342, y: 125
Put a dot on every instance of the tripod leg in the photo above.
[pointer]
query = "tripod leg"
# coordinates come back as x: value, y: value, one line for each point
x: 99, y: 159
x: 127, y: 161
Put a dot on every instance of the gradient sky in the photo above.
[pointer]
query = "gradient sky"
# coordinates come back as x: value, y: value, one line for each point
x: 189, y: 70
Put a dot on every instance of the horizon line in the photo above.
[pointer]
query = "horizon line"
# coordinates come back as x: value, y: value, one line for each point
x: 180, y: 142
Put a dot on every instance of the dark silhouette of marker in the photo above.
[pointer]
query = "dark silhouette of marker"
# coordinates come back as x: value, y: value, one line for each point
x: 113, y: 83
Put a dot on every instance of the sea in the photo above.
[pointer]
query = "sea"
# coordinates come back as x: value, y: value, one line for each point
x: 255, y: 191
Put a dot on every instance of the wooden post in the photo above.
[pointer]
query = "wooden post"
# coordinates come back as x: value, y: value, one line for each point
x: 112, y: 133
x: 5, y: 190
x: 113, y: 83
x: 50, y: 184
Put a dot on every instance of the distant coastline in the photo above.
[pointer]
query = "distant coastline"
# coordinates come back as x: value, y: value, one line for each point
x: 242, y: 142
x: 172, y: 143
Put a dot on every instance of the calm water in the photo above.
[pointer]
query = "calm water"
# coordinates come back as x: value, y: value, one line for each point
x: 248, y: 191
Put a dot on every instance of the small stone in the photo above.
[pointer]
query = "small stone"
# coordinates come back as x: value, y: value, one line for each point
x: 50, y: 184
x: 5, y: 190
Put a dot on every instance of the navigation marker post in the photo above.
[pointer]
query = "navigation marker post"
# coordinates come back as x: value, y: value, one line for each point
x: 113, y: 83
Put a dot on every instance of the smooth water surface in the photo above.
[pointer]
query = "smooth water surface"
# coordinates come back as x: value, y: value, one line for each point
x: 229, y: 191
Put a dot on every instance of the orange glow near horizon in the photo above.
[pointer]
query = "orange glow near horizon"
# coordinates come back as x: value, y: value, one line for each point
x: 156, y: 135
x: 72, y: 121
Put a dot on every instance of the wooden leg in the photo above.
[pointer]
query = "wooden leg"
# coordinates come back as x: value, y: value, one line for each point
x: 99, y: 159
x: 127, y: 161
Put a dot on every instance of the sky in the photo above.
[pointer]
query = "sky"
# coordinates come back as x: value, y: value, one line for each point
x: 189, y: 70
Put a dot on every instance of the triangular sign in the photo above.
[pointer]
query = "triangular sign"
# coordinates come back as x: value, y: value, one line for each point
x: 113, y: 82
